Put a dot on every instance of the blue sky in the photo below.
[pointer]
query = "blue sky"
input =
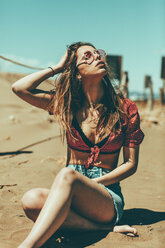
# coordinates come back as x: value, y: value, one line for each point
x: 37, y: 32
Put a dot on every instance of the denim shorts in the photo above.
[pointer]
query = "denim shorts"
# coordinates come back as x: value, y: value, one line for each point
x: 113, y: 189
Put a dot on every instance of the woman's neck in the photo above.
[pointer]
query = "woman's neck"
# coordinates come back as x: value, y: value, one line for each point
x: 93, y: 92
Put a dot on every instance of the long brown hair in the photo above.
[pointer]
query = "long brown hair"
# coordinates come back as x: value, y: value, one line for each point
x: 70, y: 98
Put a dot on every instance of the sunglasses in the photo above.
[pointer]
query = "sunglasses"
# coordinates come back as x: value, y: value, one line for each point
x: 89, y: 56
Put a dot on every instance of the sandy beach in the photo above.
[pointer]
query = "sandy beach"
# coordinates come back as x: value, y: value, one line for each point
x: 31, y: 154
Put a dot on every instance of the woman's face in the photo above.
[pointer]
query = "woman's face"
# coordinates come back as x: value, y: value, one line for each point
x: 92, y: 69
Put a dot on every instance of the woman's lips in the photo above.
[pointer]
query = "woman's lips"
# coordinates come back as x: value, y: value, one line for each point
x: 100, y: 64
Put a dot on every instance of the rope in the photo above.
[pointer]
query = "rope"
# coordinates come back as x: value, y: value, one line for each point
x: 27, y: 66
x: 18, y: 63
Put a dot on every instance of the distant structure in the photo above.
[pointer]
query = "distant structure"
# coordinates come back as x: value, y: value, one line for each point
x: 162, y: 90
x: 115, y: 64
x: 148, y: 84
x: 124, y: 84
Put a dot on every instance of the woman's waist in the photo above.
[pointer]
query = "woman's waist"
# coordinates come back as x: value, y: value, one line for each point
x: 108, y: 161
x: 99, y: 165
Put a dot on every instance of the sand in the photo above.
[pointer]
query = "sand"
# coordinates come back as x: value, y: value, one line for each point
x: 31, y: 154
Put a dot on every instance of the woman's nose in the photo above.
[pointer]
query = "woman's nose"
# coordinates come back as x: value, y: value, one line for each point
x: 97, y: 56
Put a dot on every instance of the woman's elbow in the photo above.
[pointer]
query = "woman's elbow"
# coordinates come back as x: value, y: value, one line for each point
x: 16, y: 89
x: 133, y: 168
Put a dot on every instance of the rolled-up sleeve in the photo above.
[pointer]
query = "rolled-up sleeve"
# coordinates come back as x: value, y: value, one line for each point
x: 133, y: 135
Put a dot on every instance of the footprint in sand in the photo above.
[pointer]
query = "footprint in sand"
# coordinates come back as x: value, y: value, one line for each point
x: 19, y: 234
x: 48, y: 159
x: 8, y: 193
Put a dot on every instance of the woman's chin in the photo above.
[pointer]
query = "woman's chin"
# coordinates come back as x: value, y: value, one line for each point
x: 103, y: 72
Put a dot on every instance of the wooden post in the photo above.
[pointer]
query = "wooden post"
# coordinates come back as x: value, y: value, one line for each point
x: 148, y: 84
x: 115, y: 64
x: 150, y: 99
x: 162, y: 90
x: 124, y: 84
x: 161, y: 96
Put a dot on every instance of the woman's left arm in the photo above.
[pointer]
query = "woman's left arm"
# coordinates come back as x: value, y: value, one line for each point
x: 133, y: 138
x: 123, y: 171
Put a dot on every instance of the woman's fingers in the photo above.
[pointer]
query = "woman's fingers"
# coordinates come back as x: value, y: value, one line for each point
x: 63, y: 60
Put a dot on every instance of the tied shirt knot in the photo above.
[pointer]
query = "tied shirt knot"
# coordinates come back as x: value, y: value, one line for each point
x: 93, y: 156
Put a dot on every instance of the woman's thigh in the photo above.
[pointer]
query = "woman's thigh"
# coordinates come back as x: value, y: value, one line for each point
x: 91, y: 200
x: 34, y: 201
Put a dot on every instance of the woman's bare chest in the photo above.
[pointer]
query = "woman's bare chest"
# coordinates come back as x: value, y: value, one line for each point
x: 88, y: 126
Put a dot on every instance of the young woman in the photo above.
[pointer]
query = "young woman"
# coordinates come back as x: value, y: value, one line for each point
x: 86, y: 194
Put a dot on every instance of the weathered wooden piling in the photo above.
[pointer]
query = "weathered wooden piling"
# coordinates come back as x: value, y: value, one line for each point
x: 162, y: 90
x: 148, y: 84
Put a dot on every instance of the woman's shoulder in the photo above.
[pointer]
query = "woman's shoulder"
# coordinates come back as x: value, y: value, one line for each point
x: 129, y: 106
x: 127, y: 102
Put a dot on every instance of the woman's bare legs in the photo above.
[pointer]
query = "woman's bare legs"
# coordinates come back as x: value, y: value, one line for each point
x: 70, y: 188
x: 34, y: 200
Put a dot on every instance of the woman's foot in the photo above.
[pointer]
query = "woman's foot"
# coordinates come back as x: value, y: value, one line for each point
x: 129, y: 231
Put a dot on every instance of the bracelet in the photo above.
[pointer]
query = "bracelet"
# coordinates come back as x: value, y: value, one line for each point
x: 53, y: 73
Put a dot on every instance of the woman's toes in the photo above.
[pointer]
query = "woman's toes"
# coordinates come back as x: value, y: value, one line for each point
x: 133, y: 233
x: 130, y: 231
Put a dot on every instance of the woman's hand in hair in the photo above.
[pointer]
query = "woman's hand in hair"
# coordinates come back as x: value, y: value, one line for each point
x: 62, y: 62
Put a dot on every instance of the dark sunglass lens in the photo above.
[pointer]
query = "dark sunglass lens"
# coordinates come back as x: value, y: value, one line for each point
x: 88, y: 55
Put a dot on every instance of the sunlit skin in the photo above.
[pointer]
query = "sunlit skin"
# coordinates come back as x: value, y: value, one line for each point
x: 91, y: 73
x: 62, y: 205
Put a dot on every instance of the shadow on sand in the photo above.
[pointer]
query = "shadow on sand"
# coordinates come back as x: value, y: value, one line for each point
x: 14, y: 153
x: 22, y: 150
x: 141, y: 216
x: 72, y: 239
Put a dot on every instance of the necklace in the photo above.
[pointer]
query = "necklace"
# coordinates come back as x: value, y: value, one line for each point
x: 91, y: 114
x: 93, y: 117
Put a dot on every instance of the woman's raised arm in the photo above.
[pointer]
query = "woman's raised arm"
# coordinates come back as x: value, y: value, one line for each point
x: 25, y: 87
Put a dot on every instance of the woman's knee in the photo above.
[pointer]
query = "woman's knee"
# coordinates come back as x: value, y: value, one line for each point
x: 34, y: 198
x: 67, y: 176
